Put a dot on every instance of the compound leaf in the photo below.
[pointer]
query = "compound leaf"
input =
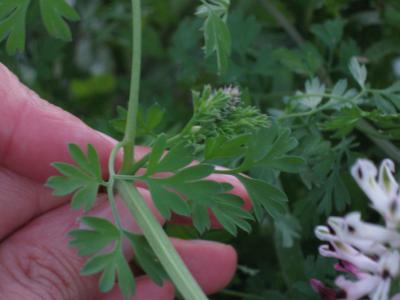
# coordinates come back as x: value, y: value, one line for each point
x: 84, y: 179
x: 111, y: 265
x: 146, y: 258
x: 53, y: 14
x: 358, y: 71
x: 98, y: 234
x: 177, y: 157
x: 217, y: 36
x: 157, y: 151
x: 167, y: 201
x: 269, y: 148
x: 217, y: 39
x: 12, y: 24
x: 264, y: 196
x: 228, y: 210
x: 330, y: 32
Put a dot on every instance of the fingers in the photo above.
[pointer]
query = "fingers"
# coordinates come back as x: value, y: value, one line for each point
x: 35, y: 262
x: 38, y: 262
x: 212, y: 264
x: 22, y: 199
x: 35, y: 133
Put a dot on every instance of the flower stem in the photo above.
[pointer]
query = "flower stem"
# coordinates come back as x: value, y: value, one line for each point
x: 152, y: 230
x: 160, y: 243
x: 110, y: 185
x: 130, y: 129
x: 322, y: 107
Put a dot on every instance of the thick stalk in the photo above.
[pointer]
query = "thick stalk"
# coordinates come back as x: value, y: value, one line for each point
x: 130, y: 129
x: 152, y: 230
x: 160, y: 243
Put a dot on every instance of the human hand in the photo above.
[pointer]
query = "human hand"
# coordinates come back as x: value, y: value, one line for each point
x: 35, y: 261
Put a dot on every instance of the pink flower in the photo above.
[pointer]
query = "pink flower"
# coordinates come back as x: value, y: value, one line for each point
x: 325, y: 292
x: 368, y: 253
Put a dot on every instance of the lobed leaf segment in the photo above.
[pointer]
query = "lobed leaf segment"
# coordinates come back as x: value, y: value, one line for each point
x: 217, y: 36
x: 13, y: 14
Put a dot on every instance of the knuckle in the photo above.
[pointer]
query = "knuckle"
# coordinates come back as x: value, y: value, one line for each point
x: 42, y: 273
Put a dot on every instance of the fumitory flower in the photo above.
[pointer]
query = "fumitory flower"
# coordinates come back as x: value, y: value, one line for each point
x: 368, y: 253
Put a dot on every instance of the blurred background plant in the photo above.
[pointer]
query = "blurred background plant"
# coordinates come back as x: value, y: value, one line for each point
x: 340, y: 114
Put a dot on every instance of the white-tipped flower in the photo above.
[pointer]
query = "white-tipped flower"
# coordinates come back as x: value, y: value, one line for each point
x: 345, y: 252
x: 358, y: 289
x: 365, y: 172
x: 367, y: 252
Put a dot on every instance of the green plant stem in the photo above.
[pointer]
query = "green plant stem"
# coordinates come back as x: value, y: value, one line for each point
x: 130, y: 129
x: 110, y: 185
x: 386, y: 146
x: 322, y: 107
x: 293, y: 33
x: 127, y: 177
x: 305, y: 113
x: 160, y: 243
x: 152, y: 230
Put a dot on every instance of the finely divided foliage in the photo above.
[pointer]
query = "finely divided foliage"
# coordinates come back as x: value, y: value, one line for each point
x: 217, y: 36
x: 13, y: 14
x: 179, y: 185
x: 82, y: 179
x: 328, y: 103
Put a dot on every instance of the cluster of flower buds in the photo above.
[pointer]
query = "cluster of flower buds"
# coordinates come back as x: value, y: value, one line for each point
x: 222, y: 112
x: 367, y: 253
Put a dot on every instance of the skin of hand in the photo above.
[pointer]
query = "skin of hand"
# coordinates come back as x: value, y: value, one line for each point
x: 35, y: 260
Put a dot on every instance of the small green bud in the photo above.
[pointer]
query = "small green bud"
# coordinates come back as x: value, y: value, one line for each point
x: 221, y: 112
x: 195, y: 129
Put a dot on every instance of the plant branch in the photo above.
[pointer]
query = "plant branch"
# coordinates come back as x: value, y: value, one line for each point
x: 386, y: 146
x: 110, y: 185
x: 283, y: 22
x: 381, y: 142
x: 293, y: 33
x: 322, y: 107
x: 160, y: 243
x: 130, y: 130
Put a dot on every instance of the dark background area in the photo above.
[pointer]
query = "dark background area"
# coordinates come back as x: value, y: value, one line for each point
x: 90, y: 77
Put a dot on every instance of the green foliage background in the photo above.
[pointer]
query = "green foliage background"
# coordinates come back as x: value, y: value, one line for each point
x: 90, y: 78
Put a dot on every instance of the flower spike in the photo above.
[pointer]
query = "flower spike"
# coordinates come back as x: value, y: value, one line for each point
x: 368, y: 253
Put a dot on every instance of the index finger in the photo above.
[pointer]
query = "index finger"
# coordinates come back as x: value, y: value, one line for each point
x: 35, y: 133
